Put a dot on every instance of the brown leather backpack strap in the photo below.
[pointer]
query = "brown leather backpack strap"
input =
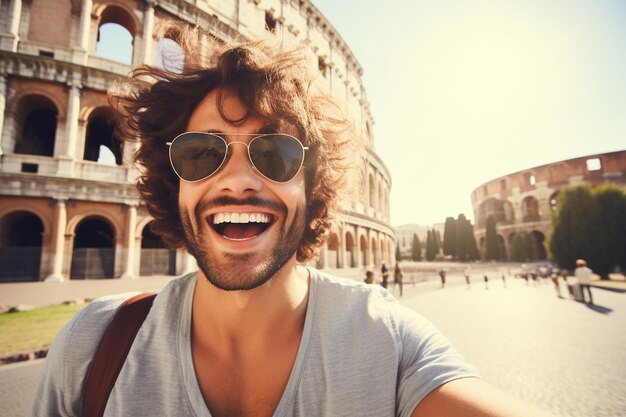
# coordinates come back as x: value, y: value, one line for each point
x: 111, y: 354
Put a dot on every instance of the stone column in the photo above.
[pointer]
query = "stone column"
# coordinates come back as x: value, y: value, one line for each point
x: 148, y: 28
x: 131, y: 219
x: 9, y: 40
x: 58, y: 245
x: 85, y: 25
x: 67, y: 149
x: 3, y: 103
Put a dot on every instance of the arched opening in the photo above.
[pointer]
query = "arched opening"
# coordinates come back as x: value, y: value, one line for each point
x: 530, y: 209
x: 491, y: 207
x: 539, y: 245
x: 375, y: 256
x: 363, y: 244
x: 372, y: 192
x: 350, y: 252
x: 333, y: 250
x: 94, y: 251
x: 554, y: 200
x: 37, y: 118
x: 20, y: 247
x: 100, y: 144
x: 170, y: 55
x: 156, y: 259
x: 116, y: 33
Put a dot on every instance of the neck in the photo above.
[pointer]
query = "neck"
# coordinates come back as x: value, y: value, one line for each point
x: 230, y: 319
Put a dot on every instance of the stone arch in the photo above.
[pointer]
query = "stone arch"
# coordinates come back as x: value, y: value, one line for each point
x: 490, y: 207
x: 350, y: 251
x: 363, y: 247
x: 100, y: 143
x: 156, y: 258
x: 93, y: 252
x: 75, y: 220
x: 509, y: 213
x: 554, y: 200
x: 21, y: 242
x: 530, y: 209
x: 372, y: 189
x: 375, y: 259
x: 116, y: 28
x: 35, y: 118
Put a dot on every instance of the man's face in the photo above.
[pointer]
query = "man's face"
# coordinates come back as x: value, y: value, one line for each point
x: 241, y: 227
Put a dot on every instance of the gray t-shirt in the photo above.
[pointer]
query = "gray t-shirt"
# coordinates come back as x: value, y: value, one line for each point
x: 361, y: 354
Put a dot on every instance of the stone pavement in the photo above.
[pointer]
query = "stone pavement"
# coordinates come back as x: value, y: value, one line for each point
x: 555, y: 352
x: 563, y: 355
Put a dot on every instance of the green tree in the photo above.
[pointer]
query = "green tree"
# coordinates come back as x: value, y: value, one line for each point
x: 431, y: 245
x: 465, y: 241
x: 416, y: 249
x: 493, y: 240
x: 523, y: 247
x: 611, y: 230
x: 574, y: 232
x: 450, y: 238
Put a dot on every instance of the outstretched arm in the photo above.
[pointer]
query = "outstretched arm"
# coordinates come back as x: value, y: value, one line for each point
x: 471, y: 397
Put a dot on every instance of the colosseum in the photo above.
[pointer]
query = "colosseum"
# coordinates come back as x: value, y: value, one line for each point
x: 68, y: 206
x: 523, y: 201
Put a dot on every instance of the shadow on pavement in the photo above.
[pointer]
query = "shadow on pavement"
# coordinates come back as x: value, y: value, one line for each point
x: 599, y: 309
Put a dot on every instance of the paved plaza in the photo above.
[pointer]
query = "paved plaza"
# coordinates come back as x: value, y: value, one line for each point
x: 563, y: 355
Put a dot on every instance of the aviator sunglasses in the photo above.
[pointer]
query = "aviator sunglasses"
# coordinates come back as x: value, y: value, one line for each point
x: 196, y: 156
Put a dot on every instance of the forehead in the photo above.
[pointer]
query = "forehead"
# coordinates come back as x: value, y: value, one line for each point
x: 206, y: 116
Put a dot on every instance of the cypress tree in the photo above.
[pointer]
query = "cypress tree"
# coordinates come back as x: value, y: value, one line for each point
x: 493, y: 242
x: 416, y: 249
x: 431, y: 245
x: 450, y: 238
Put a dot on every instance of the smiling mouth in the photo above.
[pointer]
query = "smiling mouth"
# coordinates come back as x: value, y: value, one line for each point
x: 241, y: 226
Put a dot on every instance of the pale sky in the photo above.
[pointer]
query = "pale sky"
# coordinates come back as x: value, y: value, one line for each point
x: 464, y: 91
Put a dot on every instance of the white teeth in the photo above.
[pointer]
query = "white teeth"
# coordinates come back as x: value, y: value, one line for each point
x: 220, y: 218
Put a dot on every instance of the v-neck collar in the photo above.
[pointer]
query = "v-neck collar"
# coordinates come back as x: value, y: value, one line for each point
x: 190, y: 381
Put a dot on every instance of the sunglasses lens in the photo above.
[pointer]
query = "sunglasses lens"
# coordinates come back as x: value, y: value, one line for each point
x: 278, y: 157
x: 195, y: 156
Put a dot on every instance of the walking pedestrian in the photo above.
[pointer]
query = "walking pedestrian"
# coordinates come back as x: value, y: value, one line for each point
x: 584, y: 275
x: 385, y: 275
x: 486, y: 278
x: 397, y: 277
x: 554, y: 276
x: 442, y: 275
x: 467, y: 273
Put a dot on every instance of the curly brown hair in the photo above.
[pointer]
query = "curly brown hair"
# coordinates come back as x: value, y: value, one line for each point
x: 277, y: 85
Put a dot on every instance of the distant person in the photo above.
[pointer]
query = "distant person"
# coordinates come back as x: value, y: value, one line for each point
x: 554, y: 277
x: 467, y: 274
x: 486, y: 278
x: 584, y: 276
x: 503, y: 280
x: 442, y: 275
x: 385, y: 274
x: 370, y: 277
x: 397, y: 277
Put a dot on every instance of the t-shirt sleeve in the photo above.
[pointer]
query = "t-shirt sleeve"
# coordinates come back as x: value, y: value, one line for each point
x: 427, y: 361
x: 60, y: 388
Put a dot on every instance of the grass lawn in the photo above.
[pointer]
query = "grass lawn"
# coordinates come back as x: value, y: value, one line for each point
x: 35, y: 329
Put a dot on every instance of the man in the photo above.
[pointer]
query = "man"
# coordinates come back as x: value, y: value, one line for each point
x: 584, y: 276
x: 258, y: 161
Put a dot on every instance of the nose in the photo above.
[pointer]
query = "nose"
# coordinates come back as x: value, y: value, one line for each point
x: 237, y: 175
